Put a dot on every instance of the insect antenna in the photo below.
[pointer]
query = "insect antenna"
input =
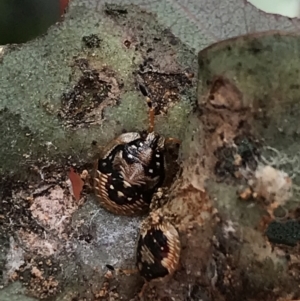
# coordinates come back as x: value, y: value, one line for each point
x: 151, y: 115
x: 145, y: 92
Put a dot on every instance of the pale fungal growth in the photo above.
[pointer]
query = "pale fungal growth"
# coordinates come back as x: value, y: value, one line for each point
x: 15, y: 258
x: 273, y: 185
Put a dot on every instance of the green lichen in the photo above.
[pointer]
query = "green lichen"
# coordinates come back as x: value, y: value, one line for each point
x: 34, y: 77
x: 253, y: 65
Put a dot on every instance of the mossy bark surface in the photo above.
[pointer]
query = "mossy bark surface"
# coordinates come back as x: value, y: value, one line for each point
x: 78, y: 86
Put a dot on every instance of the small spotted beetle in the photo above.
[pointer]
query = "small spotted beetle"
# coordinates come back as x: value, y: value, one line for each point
x: 158, y: 248
x: 130, y: 169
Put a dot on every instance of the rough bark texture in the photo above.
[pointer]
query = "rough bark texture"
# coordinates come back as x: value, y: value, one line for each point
x: 243, y: 119
x: 79, y: 84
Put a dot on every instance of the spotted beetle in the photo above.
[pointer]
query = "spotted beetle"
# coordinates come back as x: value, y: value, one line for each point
x: 130, y: 169
x: 158, y: 249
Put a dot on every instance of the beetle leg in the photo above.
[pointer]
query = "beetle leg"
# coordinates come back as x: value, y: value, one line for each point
x: 271, y: 208
x: 141, y: 293
x: 126, y: 272
x: 87, y: 180
x: 172, y: 140
x: 122, y: 271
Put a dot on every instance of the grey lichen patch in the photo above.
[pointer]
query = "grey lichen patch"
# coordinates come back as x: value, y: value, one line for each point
x: 15, y: 146
x: 14, y: 291
x: 105, y: 230
x: 95, y: 243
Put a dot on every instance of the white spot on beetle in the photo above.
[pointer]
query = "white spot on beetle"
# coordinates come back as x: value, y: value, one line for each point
x: 120, y: 194
x: 126, y: 184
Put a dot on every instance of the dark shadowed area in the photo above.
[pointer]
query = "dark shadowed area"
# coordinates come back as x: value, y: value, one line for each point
x: 21, y: 21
